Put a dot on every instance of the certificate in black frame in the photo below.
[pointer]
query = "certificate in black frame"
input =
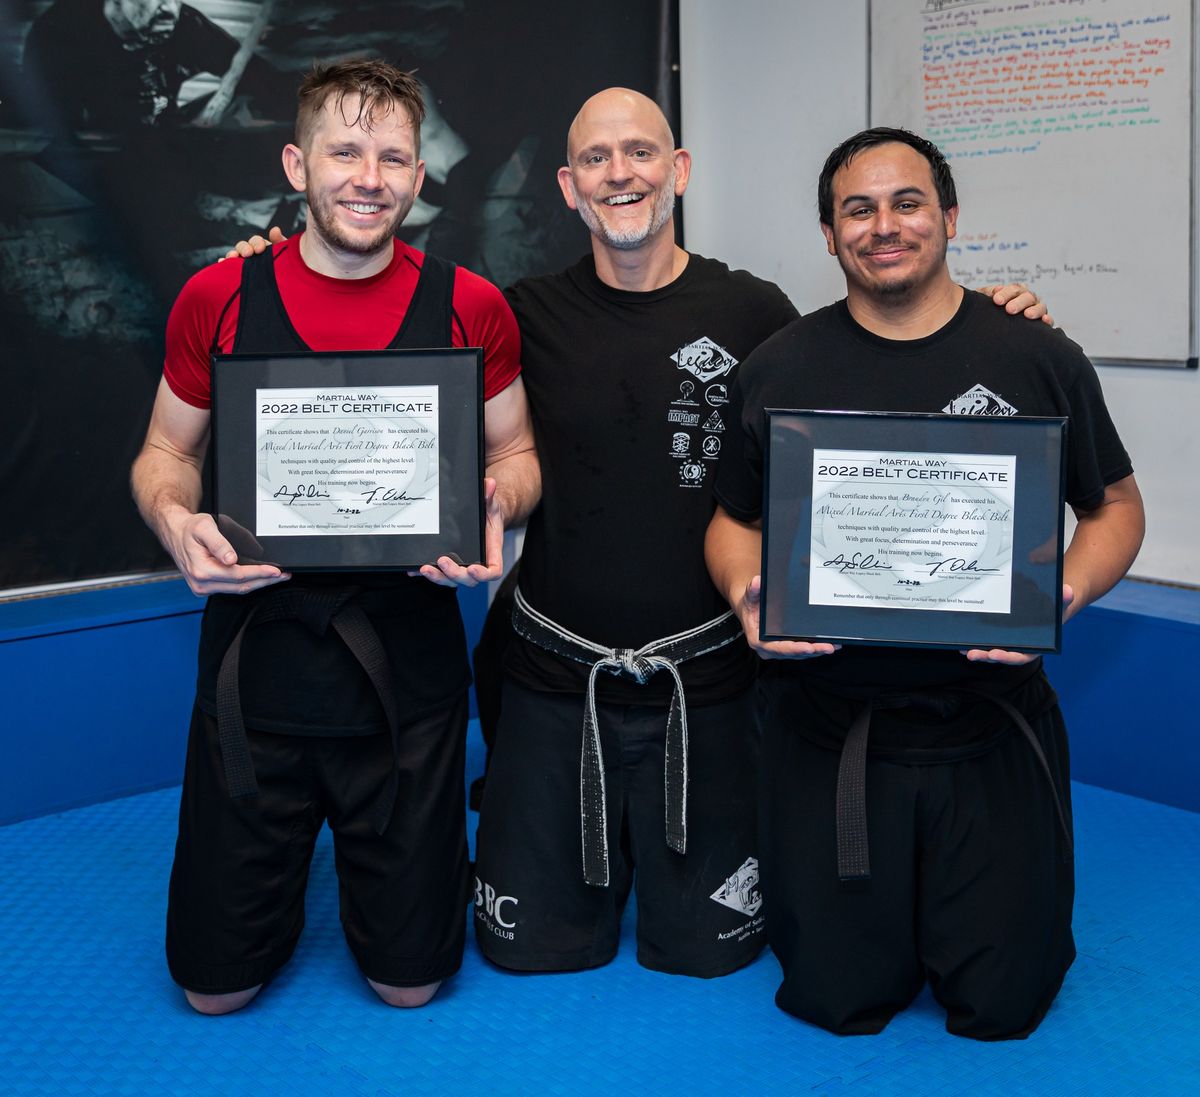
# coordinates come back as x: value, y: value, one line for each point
x: 1033, y: 622
x: 238, y: 380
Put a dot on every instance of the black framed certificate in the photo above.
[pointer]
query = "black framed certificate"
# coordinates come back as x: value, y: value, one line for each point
x: 349, y: 461
x: 921, y: 530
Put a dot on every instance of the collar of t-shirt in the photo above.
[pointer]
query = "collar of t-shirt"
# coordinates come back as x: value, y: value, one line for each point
x: 589, y: 281
x: 961, y: 317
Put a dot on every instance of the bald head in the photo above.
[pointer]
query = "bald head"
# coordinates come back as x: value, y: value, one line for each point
x: 623, y: 172
x: 618, y: 107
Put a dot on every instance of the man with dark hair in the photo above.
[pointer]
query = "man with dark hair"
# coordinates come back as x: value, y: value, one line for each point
x: 939, y: 170
x: 967, y: 801
x: 352, y: 694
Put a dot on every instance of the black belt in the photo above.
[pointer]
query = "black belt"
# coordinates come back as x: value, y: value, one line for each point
x: 853, y: 856
x: 640, y: 665
x: 317, y: 608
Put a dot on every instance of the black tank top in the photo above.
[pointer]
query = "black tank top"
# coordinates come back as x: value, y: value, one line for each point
x: 292, y: 680
x: 264, y: 326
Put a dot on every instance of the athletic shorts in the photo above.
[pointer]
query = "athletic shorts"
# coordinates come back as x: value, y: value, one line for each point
x: 236, y: 901
x: 971, y: 885
x: 698, y: 913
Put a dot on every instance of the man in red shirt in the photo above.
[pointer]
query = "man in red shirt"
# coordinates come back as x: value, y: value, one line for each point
x: 368, y: 734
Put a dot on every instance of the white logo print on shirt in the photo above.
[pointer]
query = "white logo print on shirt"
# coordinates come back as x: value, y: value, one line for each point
x: 979, y: 401
x: 704, y: 359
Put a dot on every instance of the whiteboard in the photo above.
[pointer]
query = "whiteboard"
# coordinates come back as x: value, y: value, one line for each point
x: 1068, y: 126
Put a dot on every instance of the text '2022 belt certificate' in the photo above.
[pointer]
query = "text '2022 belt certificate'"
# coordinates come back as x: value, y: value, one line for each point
x: 912, y: 529
x: 366, y: 460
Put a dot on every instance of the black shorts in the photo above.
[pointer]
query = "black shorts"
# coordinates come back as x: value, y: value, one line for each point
x: 236, y: 902
x: 971, y: 885
x: 698, y: 913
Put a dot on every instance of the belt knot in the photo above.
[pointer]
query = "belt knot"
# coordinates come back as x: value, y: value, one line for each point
x: 639, y: 664
x: 631, y: 664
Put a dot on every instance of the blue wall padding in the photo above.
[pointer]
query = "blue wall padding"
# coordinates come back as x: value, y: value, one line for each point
x: 98, y: 688
x: 1127, y: 680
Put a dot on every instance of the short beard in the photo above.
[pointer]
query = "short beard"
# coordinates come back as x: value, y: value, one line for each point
x: 631, y: 240
x: 895, y: 289
x: 321, y: 218
x: 894, y: 293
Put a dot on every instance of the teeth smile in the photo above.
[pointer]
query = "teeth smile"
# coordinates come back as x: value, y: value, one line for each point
x: 362, y: 207
x: 622, y: 199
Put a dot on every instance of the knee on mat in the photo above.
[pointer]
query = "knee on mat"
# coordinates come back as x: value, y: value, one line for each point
x: 216, y: 1005
x: 841, y: 1019
x: 999, y: 1015
x: 405, y: 997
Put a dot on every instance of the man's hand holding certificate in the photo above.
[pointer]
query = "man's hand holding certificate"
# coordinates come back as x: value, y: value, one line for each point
x: 913, y: 529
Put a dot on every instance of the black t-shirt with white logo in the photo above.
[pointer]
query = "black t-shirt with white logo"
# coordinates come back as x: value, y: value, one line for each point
x: 630, y: 398
x: 982, y: 362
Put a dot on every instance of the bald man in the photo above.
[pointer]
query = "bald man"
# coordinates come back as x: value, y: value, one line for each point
x: 627, y: 748
x: 626, y: 744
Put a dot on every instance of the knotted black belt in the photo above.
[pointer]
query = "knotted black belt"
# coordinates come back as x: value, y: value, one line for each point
x: 853, y: 856
x: 640, y: 665
x: 318, y: 609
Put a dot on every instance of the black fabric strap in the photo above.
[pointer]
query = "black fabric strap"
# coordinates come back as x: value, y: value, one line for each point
x: 318, y: 609
x: 264, y: 326
x: 853, y: 855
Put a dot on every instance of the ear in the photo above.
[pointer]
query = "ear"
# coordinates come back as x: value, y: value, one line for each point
x: 830, y: 246
x: 683, y: 170
x: 419, y: 178
x: 951, y: 216
x: 293, y: 166
x: 565, y: 184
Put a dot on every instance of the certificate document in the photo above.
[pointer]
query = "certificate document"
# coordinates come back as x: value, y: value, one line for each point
x: 349, y: 460
x: 331, y: 462
x: 912, y: 529
x: 898, y: 529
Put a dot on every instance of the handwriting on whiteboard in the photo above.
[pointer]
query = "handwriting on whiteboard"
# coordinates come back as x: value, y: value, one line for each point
x: 996, y: 88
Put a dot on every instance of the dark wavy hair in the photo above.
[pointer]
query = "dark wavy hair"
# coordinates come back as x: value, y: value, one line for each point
x: 380, y: 88
x: 943, y: 181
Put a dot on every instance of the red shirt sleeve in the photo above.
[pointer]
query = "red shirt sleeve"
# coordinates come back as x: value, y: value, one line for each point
x: 207, y: 311
x: 198, y: 318
x: 482, y: 316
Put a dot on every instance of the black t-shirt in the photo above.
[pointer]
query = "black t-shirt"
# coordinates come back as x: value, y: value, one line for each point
x: 629, y: 393
x: 982, y: 362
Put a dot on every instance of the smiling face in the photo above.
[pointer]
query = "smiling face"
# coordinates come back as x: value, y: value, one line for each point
x: 360, y: 174
x: 623, y: 173
x: 887, y: 228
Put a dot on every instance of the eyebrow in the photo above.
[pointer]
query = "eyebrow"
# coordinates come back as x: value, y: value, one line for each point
x: 632, y: 143
x: 859, y: 199
x: 357, y: 144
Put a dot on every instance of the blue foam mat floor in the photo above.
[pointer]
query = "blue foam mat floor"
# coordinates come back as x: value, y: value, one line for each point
x: 87, y: 1007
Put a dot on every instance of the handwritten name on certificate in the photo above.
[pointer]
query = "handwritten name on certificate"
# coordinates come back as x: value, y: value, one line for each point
x: 333, y: 462
x: 912, y: 530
